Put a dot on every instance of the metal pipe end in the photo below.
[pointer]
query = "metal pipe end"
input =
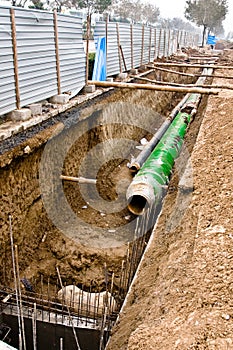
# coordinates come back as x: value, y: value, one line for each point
x: 140, y: 196
x: 134, y: 167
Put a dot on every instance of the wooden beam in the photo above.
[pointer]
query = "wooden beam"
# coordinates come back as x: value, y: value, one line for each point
x: 170, y: 71
x: 190, y: 75
x: 153, y: 87
x: 230, y: 87
x: 166, y: 64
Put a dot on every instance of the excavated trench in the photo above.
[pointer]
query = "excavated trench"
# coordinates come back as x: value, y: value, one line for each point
x: 84, y: 229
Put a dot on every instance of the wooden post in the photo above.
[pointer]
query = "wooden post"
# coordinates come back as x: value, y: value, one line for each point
x: 131, y: 41
x: 181, y: 38
x: 87, y: 45
x: 177, y: 40
x: 185, y: 38
x: 168, y: 44
x: 155, y: 42
x: 164, y: 38
x: 123, y: 57
x: 118, y: 45
x: 142, y: 46
x: 150, y: 43
x: 106, y: 40
x: 57, y: 52
x: 15, y: 56
x: 159, y: 44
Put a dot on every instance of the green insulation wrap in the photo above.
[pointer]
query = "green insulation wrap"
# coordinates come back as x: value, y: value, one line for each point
x: 146, y: 187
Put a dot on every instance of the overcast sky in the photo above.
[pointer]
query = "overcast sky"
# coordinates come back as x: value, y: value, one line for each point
x: 175, y: 8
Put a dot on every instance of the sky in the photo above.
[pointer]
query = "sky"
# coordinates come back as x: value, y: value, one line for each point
x: 175, y: 8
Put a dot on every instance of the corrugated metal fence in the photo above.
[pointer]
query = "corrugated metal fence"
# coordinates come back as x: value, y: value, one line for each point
x: 129, y: 46
x: 41, y: 55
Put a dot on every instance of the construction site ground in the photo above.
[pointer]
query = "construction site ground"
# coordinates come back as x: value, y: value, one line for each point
x: 182, y: 297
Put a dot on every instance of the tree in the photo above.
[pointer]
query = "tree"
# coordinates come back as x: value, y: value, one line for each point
x: 136, y: 10
x: 150, y: 13
x: 92, y: 6
x: 206, y: 13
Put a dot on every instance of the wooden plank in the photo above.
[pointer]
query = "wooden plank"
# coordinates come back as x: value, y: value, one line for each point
x: 190, y: 75
x: 153, y: 87
x: 212, y: 86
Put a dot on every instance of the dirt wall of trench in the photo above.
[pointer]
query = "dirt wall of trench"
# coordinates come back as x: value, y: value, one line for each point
x: 41, y: 244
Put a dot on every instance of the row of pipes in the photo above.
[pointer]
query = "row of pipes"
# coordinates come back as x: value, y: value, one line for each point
x: 154, y: 164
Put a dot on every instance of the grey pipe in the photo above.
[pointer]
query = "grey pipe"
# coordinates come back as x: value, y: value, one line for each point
x: 137, y: 163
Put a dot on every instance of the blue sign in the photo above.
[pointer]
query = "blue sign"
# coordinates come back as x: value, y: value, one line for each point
x: 211, y: 40
x: 99, y: 71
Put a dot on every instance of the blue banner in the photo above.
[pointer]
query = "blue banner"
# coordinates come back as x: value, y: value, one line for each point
x: 99, y: 71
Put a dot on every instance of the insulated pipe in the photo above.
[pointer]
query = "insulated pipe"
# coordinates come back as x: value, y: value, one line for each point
x: 147, y: 186
x: 136, y: 164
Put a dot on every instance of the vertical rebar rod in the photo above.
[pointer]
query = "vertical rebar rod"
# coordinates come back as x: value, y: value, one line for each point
x: 34, y: 316
x: 101, y: 347
x: 68, y: 309
x: 20, y: 295
x: 61, y: 344
x: 15, y: 283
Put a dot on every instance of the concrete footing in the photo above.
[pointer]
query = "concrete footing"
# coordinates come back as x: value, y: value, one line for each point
x: 59, y: 99
x: 89, y: 89
x: 20, y: 114
x: 36, y: 109
x: 134, y: 71
x: 122, y: 76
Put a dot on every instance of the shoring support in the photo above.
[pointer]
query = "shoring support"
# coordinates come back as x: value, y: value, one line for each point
x: 153, y: 87
x: 167, y: 64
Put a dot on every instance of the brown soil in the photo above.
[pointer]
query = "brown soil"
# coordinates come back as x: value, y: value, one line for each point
x: 182, y: 296
x: 41, y: 244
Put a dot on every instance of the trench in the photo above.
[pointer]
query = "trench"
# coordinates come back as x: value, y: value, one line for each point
x: 85, y: 231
